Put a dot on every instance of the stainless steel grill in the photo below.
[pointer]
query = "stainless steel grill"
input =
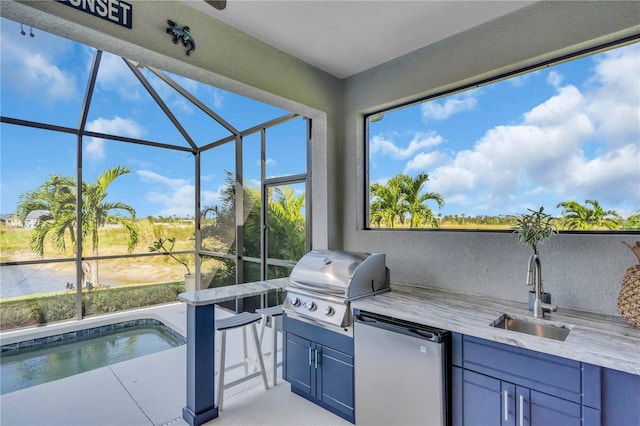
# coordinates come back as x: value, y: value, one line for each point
x: 324, y: 282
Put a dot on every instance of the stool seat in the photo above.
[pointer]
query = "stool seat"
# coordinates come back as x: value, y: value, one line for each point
x: 239, y: 320
x: 273, y: 311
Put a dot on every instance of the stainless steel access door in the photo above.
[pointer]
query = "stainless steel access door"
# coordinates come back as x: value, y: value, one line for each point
x: 400, y: 372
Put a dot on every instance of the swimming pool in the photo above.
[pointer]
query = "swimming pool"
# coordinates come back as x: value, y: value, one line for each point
x: 45, y: 359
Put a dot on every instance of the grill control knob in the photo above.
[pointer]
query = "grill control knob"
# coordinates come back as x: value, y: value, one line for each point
x: 328, y: 311
x: 295, y: 301
x: 310, y: 306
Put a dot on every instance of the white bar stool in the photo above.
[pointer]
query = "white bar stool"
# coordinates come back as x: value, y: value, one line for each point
x: 240, y: 320
x: 274, y: 313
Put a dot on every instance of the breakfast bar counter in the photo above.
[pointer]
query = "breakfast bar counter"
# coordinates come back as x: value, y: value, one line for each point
x: 201, y: 367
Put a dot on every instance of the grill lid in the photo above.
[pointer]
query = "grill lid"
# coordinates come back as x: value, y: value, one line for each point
x: 340, y: 273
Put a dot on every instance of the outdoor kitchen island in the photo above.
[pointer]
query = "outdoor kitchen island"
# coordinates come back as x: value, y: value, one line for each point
x: 201, y: 367
x: 509, y: 377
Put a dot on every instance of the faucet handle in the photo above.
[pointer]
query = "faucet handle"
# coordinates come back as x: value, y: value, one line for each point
x: 548, y: 307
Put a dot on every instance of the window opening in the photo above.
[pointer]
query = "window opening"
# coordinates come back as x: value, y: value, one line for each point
x: 564, y: 136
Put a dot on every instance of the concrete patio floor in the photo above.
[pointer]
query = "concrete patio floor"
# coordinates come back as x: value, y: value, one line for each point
x: 151, y: 390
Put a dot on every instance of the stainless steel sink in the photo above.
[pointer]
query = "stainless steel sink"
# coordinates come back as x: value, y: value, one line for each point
x: 535, y: 328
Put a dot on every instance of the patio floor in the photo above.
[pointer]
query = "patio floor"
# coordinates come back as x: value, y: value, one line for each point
x: 151, y: 390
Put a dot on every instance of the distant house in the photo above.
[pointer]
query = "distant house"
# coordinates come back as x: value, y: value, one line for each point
x: 8, y: 219
x: 34, y: 218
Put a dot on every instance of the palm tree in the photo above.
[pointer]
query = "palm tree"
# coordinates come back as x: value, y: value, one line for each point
x: 286, y: 224
x: 415, y: 200
x: 218, y: 232
x: 57, y: 198
x: 632, y: 222
x: 577, y: 216
x: 387, y: 202
x: 96, y: 212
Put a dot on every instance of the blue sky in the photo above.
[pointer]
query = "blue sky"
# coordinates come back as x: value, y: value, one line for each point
x: 567, y: 132
x: 44, y: 79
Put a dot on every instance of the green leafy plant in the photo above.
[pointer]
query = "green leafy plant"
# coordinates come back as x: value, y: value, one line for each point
x: 159, y: 246
x: 535, y: 228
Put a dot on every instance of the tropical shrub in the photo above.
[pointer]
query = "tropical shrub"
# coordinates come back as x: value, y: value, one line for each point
x: 33, y: 310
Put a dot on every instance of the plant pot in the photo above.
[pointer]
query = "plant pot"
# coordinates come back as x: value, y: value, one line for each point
x: 544, y: 298
x: 190, y: 282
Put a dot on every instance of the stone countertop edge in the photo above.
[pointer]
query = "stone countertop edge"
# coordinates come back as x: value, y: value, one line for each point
x: 210, y: 296
x: 598, y: 339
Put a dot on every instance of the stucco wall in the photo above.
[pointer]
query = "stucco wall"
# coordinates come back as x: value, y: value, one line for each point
x: 581, y: 271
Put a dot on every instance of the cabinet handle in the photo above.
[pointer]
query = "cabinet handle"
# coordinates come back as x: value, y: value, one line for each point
x: 316, y: 358
x: 506, y: 406
x: 309, y: 356
x: 521, y: 410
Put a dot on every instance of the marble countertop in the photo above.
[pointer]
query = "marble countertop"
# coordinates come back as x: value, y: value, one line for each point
x: 599, y: 339
x: 210, y: 296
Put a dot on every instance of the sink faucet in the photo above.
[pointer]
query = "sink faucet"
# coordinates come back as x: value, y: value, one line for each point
x: 534, y: 278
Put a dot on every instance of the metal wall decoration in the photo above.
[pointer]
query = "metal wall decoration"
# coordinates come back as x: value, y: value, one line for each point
x: 181, y: 34
x: 30, y: 31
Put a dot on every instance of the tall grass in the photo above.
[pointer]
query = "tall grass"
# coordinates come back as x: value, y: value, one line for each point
x: 15, y: 242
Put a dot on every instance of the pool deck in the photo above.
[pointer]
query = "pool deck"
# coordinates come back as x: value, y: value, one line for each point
x: 149, y: 390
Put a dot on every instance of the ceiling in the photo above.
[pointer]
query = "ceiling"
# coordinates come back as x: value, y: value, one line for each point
x: 345, y: 37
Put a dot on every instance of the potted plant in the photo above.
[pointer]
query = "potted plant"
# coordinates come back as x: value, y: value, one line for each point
x: 159, y: 246
x: 534, y: 229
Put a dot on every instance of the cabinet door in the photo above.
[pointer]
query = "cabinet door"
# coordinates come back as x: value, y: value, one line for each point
x: 335, y: 379
x: 482, y: 400
x: 299, y: 364
x: 550, y: 410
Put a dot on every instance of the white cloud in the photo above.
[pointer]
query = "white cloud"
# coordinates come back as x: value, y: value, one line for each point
x: 509, y: 159
x: 115, y: 75
x: 420, y: 141
x: 614, y: 99
x: 218, y: 99
x: 554, y: 78
x: 435, y: 110
x: 175, y: 195
x: 613, y: 177
x: 424, y: 161
x: 153, y: 177
x: 116, y: 126
x: 565, y: 105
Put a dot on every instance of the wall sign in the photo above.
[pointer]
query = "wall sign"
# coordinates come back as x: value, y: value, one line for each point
x: 116, y: 11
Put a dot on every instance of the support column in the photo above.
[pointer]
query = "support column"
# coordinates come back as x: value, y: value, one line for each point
x: 201, y: 405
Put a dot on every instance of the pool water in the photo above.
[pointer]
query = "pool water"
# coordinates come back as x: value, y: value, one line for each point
x: 26, y: 367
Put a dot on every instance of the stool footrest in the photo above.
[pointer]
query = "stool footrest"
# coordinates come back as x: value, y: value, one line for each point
x: 243, y: 379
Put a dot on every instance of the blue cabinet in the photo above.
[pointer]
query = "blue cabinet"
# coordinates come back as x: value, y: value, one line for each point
x: 504, y: 385
x: 611, y: 397
x: 299, y: 371
x: 487, y: 400
x: 318, y: 364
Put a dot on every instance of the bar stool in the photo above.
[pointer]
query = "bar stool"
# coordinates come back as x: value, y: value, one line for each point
x: 241, y: 320
x: 273, y: 313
